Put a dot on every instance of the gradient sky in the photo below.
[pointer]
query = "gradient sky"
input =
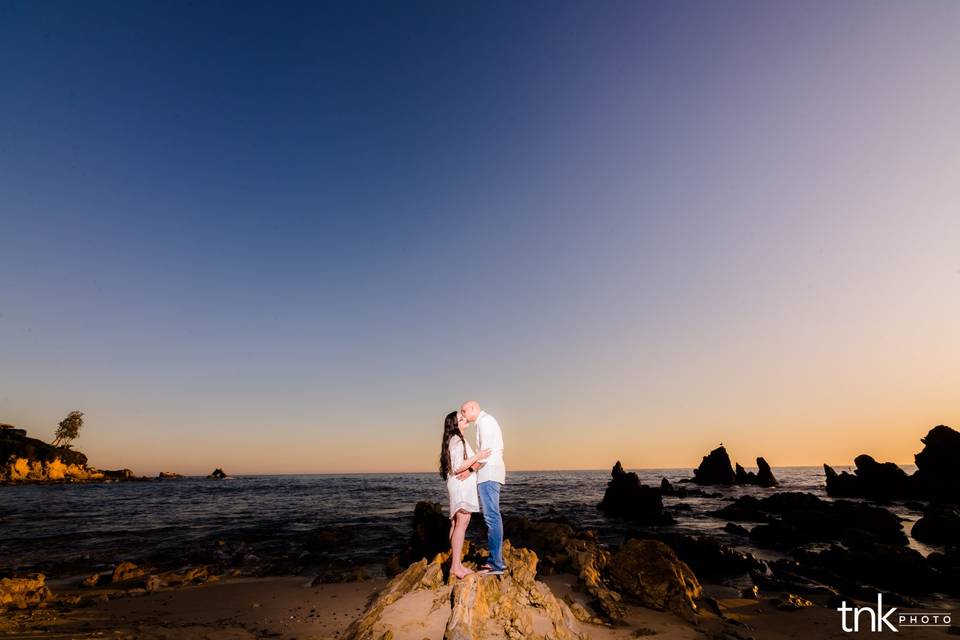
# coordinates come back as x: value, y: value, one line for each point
x: 290, y: 237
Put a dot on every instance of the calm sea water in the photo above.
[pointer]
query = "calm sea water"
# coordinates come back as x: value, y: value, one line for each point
x: 62, y: 526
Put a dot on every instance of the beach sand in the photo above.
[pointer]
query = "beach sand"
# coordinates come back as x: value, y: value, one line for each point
x: 288, y: 608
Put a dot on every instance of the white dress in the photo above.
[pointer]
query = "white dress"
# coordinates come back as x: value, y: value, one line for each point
x: 462, y: 493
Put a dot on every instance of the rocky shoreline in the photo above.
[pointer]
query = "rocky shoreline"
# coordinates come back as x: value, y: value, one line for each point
x: 839, y: 549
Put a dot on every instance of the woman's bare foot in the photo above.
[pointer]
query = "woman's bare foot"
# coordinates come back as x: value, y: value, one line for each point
x: 461, y: 573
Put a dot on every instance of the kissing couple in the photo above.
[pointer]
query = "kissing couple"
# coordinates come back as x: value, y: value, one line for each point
x: 473, y: 481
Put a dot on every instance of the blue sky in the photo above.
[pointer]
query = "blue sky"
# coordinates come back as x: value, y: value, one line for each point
x: 295, y: 235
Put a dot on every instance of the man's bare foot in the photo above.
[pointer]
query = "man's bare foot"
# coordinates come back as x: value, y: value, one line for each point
x: 462, y: 573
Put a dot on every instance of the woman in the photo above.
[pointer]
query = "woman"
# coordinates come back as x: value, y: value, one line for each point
x: 457, y: 456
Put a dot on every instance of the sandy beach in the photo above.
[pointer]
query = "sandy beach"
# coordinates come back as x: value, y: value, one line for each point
x: 289, y: 608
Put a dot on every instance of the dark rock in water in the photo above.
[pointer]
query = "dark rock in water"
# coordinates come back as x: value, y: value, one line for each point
x: 118, y: 474
x: 843, y: 484
x: 880, y: 566
x: 793, y: 518
x: 736, y: 529
x: 650, y: 573
x: 936, y: 478
x: 947, y: 565
x: 938, y: 465
x: 715, y: 468
x: 940, y: 524
x: 217, y: 474
x: 878, y: 481
x: 627, y: 498
x: 667, y: 489
x: 763, y: 477
x: 169, y: 474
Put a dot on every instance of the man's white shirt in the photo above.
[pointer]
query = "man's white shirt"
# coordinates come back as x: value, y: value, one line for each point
x: 489, y: 436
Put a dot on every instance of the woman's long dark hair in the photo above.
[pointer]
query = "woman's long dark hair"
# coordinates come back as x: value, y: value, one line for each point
x: 450, y: 429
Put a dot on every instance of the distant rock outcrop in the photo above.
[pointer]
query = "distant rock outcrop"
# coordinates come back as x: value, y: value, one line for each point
x: 763, y: 477
x: 938, y: 465
x: 626, y: 497
x: 715, y: 468
x: 217, y: 474
x: 164, y: 475
x: 937, y: 476
x: 25, y: 459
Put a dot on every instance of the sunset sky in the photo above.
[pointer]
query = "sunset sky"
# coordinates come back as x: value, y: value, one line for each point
x: 290, y: 237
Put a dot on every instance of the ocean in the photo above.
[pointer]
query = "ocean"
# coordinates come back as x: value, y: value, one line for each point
x: 66, y: 529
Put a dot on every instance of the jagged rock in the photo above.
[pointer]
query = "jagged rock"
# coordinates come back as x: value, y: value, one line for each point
x: 735, y: 529
x: 625, y: 497
x: 127, y: 571
x: 168, y: 474
x: 803, y: 518
x: 940, y: 524
x: 715, y: 468
x: 14, y: 443
x: 511, y: 606
x: 217, y: 474
x: 763, y: 477
x: 25, y: 592
x: 871, y: 479
x: 649, y: 572
x: 938, y: 465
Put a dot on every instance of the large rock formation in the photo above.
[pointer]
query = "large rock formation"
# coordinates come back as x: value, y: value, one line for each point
x: 420, y: 602
x: 871, y: 479
x: 715, y: 468
x: 940, y: 524
x: 431, y: 531
x: 936, y: 478
x: 938, y: 465
x: 649, y: 572
x: 25, y: 459
x: 627, y: 498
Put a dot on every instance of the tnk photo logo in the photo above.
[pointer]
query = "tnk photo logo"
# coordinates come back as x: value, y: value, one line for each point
x: 868, y: 619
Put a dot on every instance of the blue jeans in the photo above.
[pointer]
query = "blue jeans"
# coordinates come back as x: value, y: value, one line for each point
x: 490, y: 504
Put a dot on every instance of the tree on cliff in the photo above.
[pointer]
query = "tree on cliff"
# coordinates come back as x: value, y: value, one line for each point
x: 69, y: 429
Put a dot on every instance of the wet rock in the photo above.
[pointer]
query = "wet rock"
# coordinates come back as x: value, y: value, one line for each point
x: 127, y: 571
x: 715, y: 468
x: 168, y: 475
x: 649, y: 572
x: 625, y: 497
x: 940, y: 524
x: 21, y: 593
x: 217, y: 474
x: 735, y: 529
x: 947, y: 566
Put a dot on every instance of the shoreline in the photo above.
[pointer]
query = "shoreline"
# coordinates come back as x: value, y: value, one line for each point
x: 247, y: 608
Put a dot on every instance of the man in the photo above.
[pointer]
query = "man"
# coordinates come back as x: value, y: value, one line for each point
x: 490, y: 479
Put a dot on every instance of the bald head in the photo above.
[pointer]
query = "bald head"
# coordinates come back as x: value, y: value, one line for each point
x: 470, y: 410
